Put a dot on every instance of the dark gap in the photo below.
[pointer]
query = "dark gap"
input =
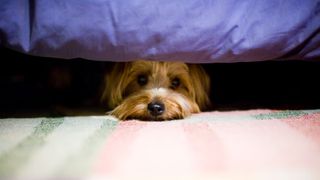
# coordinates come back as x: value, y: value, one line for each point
x: 28, y: 87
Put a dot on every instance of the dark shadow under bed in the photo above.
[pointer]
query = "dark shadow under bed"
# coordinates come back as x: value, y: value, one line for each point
x: 28, y: 88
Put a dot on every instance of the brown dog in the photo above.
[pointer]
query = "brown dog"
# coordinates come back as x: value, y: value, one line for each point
x: 149, y: 90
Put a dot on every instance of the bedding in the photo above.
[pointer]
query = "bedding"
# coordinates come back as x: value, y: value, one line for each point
x: 254, y: 144
x: 206, y: 31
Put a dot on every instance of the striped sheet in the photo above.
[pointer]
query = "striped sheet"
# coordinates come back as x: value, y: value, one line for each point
x: 256, y: 144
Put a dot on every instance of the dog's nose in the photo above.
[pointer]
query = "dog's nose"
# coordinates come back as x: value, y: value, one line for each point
x: 156, y: 108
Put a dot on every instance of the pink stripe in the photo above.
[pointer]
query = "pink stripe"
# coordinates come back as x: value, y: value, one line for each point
x: 206, y: 146
x: 160, y: 149
x: 117, y: 147
x: 264, y: 144
x: 308, y: 125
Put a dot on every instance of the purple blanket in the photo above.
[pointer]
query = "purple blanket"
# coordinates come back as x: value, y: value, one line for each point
x: 205, y: 31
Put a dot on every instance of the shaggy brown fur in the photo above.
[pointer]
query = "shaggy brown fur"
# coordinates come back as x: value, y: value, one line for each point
x: 151, y: 90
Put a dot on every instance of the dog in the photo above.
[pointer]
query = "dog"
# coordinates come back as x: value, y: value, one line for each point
x: 154, y: 90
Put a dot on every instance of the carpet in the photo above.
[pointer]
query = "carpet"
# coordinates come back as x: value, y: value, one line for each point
x: 254, y: 144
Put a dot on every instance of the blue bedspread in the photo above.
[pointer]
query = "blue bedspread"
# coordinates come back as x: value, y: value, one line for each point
x: 204, y: 31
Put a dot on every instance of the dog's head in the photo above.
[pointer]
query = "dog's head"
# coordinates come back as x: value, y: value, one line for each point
x: 149, y: 90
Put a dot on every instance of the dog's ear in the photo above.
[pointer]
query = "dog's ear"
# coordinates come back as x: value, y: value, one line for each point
x: 115, y: 82
x: 201, y: 86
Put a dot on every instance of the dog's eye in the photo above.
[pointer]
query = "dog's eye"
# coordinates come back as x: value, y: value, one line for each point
x: 175, y: 83
x: 142, y: 80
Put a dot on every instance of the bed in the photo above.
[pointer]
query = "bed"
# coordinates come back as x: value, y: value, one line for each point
x: 193, y: 31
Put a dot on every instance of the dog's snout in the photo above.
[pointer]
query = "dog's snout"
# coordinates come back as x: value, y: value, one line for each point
x: 156, y: 108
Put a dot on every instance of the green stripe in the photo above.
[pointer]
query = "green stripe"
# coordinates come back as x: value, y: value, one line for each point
x: 280, y: 115
x: 15, y: 158
x: 79, y: 164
